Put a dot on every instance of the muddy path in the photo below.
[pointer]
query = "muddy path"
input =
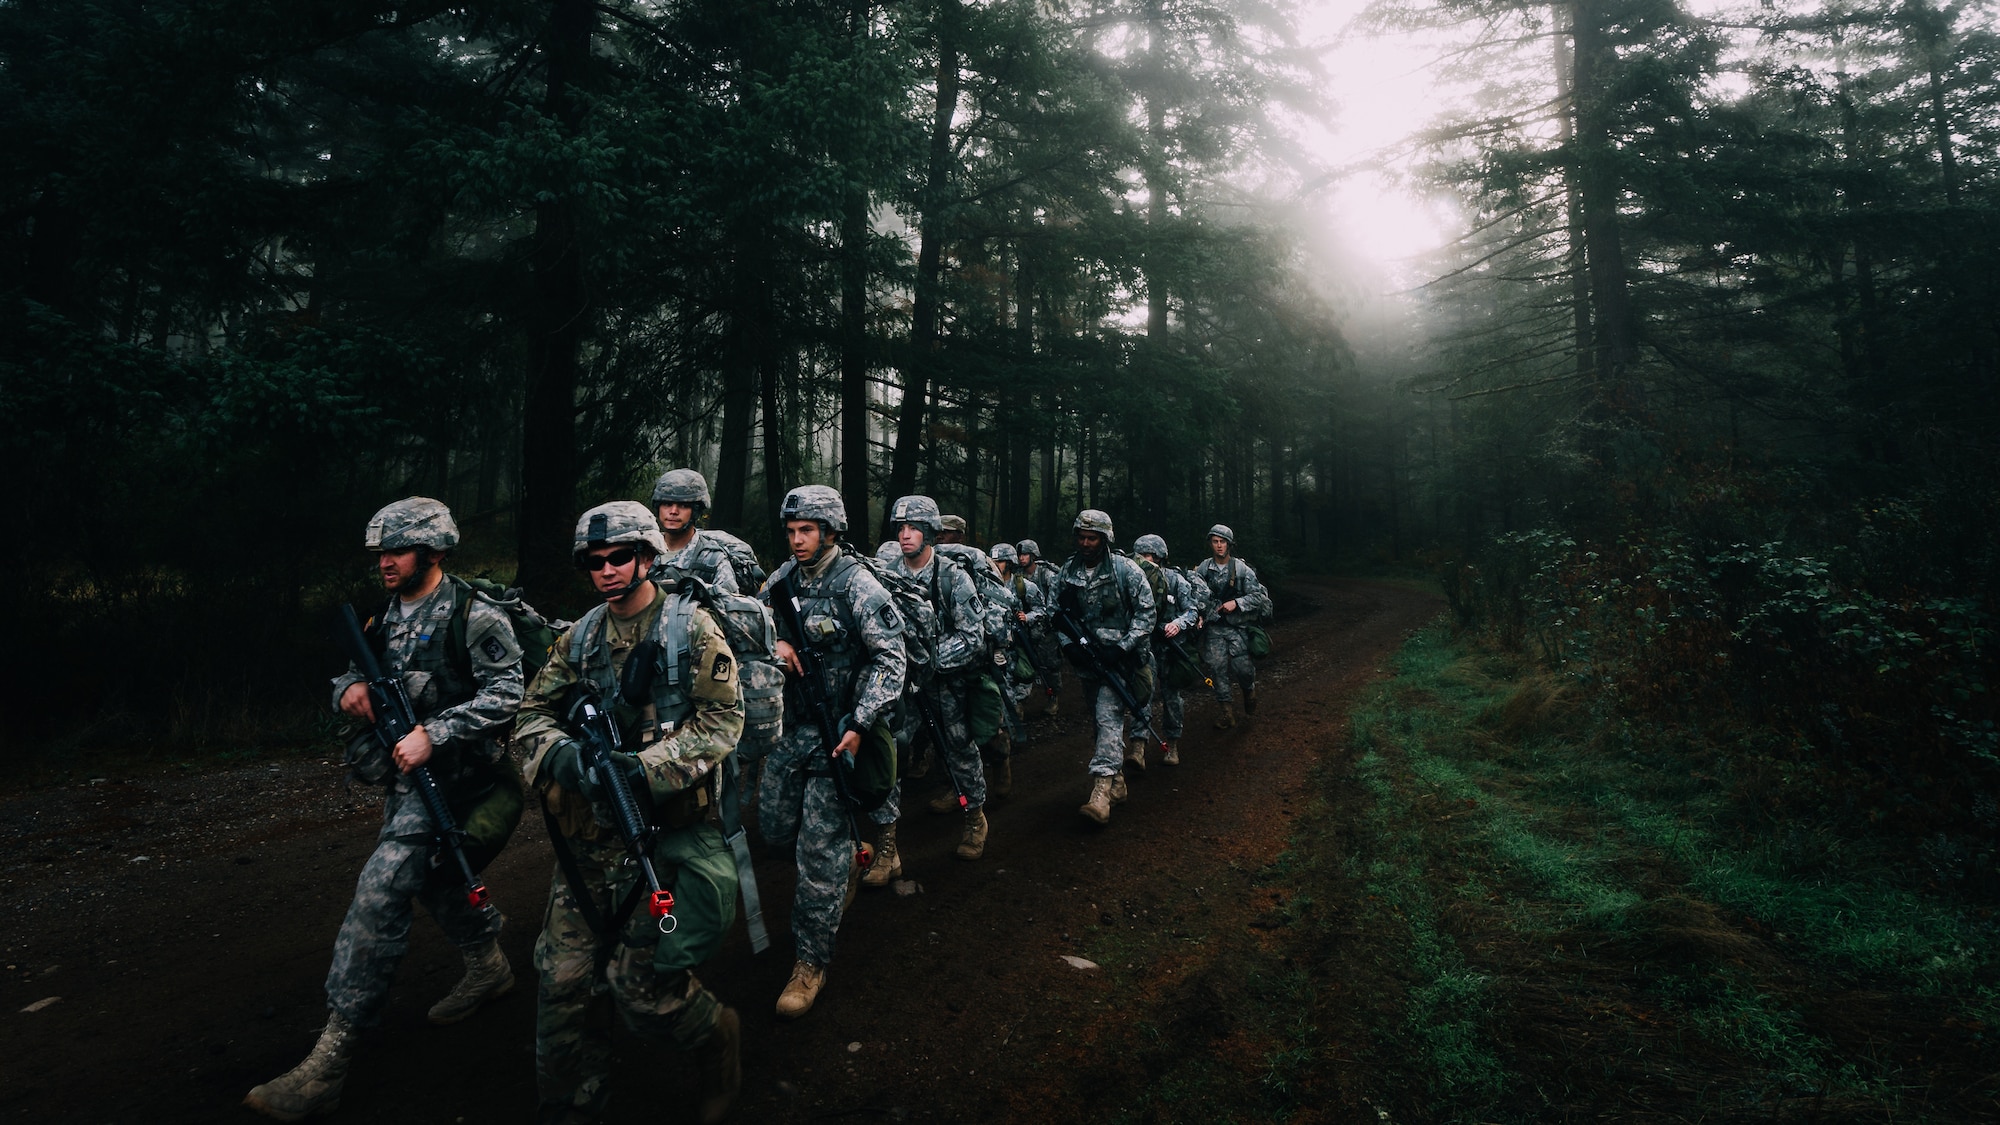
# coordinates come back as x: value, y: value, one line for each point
x: 183, y: 925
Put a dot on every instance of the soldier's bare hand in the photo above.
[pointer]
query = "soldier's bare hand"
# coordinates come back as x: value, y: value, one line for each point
x: 1229, y: 606
x: 355, y: 701
x: 1173, y: 628
x: 849, y: 744
x: 1019, y: 616
x: 414, y: 750
x: 790, y: 656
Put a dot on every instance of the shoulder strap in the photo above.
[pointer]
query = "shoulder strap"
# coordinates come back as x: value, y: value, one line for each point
x: 455, y: 634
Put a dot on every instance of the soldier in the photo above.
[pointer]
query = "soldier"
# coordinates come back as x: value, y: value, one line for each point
x: 1109, y: 596
x: 680, y: 497
x: 859, y: 635
x: 464, y: 701
x: 961, y: 644
x: 1178, y: 616
x: 1031, y: 611
x: 953, y: 529
x: 593, y: 938
x: 1043, y: 575
x: 1235, y: 599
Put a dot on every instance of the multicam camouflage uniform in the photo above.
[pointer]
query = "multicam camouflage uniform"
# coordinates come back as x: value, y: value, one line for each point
x: 681, y: 740
x: 1224, y: 648
x: 857, y: 630
x: 1115, y: 603
x: 465, y: 719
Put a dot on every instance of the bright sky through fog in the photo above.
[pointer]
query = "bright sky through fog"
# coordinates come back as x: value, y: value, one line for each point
x: 1383, y: 89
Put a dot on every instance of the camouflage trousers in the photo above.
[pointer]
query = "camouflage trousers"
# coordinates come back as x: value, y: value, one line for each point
x: 965, y: 770
x: 1017, y: 693
x: 1167, y: 705
x: 647, y: 978
x: 1224, y: 649
x: 1107, y: 719
x: 797, y: 806
x: 376, y: 932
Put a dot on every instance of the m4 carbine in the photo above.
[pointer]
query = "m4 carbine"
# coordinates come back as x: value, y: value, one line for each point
x: 395, y: 718
x: 597, y: 737
x: 784, y: 594
x: 1092, y: 657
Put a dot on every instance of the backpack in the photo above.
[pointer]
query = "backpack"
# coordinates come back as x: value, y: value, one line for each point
x: 535, y: 634
x: 753, y: 636
x: 913, y: 601
x: 1157, y: 580
x: 742, y: 558
x: 991, y: 590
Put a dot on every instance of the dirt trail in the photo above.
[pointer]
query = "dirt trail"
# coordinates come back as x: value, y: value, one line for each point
x: 190, y: 975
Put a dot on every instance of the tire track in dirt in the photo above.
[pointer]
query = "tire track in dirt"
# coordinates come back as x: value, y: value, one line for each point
x: 187, y: 979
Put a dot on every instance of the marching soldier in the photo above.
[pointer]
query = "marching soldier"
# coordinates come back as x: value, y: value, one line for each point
x: 1031, y: 611
x: 1235, y: 599
x: 1177, y: 617
x: 961, y: 642
x: 680, y: 499
x: 1043, y: 575
x: 858, y: 633
x: 1110, y: 598
x: 594, y: 939
x: 464, y: 701
x: 952, y: 529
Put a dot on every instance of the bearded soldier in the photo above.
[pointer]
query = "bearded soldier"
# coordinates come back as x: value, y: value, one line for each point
x: 961, y: 643
x: 675, y: 737
x: 1110, y: 598
x: 857, y: 634
x: 680, y: 498
x: 1235, y: 599
x: 464, y: 695
x: 1177, y: 616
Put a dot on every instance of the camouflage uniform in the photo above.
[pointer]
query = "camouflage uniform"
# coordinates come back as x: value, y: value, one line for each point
x: 681, y: 740
x: 704, y: 558
x: 1114, y: 602
x: 465, y: 720
x: 860, y: 635
x: 1044, y: 575
x: 1224, y: 648
x: 961, y: 647
x: 1184, y: 605
x: 1030, y: 599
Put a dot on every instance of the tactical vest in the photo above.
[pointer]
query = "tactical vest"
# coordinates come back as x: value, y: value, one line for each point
x: 673, y: 673
x: 830, y: 626
x: 435, y: 677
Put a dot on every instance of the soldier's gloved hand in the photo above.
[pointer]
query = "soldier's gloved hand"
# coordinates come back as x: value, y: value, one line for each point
x: 565, y: 765
x: 629, y: 767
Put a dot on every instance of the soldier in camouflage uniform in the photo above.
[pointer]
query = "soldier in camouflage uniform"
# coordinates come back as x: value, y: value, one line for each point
x: 960, y: 646
x: 1235, y: 599
x: 680, y: 499
x: 1031, y: 609
x: 593, y: 940
x: 952, y: 529
x: 1110, y: 598
x: 1177, y: 617
x: 1044, y: 575
x: 464, y: 702
x: 859, y: 634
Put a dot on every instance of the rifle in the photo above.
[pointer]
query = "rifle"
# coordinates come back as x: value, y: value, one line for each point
x: 784, y: 595
x: 597, y: 738
x: 395, y: 718
x: 1026, y: 644
x: 1084, y: 649
x: 1175, y: 644
x: 927, y: 709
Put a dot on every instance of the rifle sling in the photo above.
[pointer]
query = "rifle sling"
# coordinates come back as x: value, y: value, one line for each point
x: 607, y: 936
x: 739, y: 847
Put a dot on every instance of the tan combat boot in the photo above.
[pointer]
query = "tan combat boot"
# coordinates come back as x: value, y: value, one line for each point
x: 719, y: 1063
x: 1098, y: 808
x: 1249, y: 701
x: 801, y: 991
x: 314, y: 1085
x: 1226, y: 719
x: 1118, y: 790
x: 886, y: 864
x: 945, y: 802
x: 1135, y: 754
x: 488, y: 976
x: 1173, y: 755
x: 1000, y: 777
x: 972, y: 844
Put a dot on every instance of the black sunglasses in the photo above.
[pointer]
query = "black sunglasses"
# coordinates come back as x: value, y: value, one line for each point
x: 617, y: 558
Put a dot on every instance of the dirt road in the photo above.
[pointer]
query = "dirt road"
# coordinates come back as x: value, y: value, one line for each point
x: 174, y: 930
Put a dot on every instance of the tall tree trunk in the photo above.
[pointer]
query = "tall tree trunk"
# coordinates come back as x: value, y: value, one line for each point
x: 549, y: 457
x: 776, y: 443
x: 1579, y: 279
x: 930, y: 260
x: 854, y: 420
x: 1604, y: 255
x: 1051, y: 471
x: 747, y: 328
x: 1014, y: 514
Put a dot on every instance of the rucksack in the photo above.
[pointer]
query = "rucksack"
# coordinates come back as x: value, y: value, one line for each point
x: 534, y: 633
x: 1156, y: 579
x: 753, y: 636
x: 920, y: 621
x: 750, y: 573
x: 990, y: 589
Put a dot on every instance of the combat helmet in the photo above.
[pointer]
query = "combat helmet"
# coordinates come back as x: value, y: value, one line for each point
x: 1222, y: 531
x: 1150, y: 545
x: 816, y: 502
x: 954, y: 523
x: 418, y: 521
x: 918, y: 511
x: 1092, y: 519
x: 1004, y: 552
x: 1029, y: 549
x: 619, y: 523
x: 681, y: 486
